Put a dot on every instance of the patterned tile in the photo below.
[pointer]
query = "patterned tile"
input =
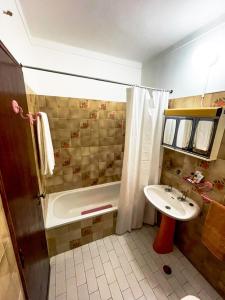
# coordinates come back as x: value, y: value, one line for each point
x: 79, y: 233
x: 78, y: 128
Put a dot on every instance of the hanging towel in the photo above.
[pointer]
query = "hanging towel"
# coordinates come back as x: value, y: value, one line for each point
x: 169, y: 131
x: 213, y: 235
x: 46, y: 152
x: 184, y: 133
x: 203, y: 135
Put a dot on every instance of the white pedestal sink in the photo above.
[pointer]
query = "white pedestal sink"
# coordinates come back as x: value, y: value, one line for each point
x: 174, y: 206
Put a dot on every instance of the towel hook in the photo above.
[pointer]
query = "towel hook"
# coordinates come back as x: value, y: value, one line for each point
x: 18, y: 110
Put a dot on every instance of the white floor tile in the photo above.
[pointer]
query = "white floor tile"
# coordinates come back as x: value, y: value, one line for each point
x: 118, y: 248
x: 51, y: 292
x: 85, y: 248
x: 139, y: 258
x: 165, y: 286
x: 82, y: 291
x: 114, y: 259
x: 87, y: 258
x: 150, y: 261
x: 80, y: 274
x: 136, y: 270
x: 91, y: 281
x: 114, y: 238
x: 189, y: 290
x: 121, y: 279
x: 93, y: 249
x: 70, y: 268
x: 52, y: 260
x: 125, y: 267
x: 98, y: 266
x: 188, y: 265
x: 61, y: 297
x: 78, y: 257
x: 52, y: 275
x: 125, y: 264
x: 135, y: 288
x: 69, y: 254
x: 177, y: 288
x: 108, y: 243
x: 148, y: 292
x: 88, y: 264
x: 60, y: 283
x: 149, y: 275
x: 103, y: 254
x: 190, y: 276
x: 203, y: 295
x: 142, y: 298
x: 127, y: 294
x: 60, y: 263
x: 71, y: 289
x: 172, y: 296
x: 159, y: 293
x: 127, y: 252
x: 176, y: 272
x: 100, y: 243
x: 103, y: 287
x: 95, y: 296
x: 131, y: 244
x: 109, y: 273
x: 115, y: 291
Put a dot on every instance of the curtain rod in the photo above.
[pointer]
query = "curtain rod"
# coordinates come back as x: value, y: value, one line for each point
x: 94, y: 78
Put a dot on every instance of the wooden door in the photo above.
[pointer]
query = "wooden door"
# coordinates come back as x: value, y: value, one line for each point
x: 19, y: 183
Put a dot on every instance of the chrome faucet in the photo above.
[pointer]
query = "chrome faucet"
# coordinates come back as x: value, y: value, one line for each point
x: 183, y: 196
x: 169, y: 188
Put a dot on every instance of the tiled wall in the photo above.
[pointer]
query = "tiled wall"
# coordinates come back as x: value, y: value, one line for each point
x: 10, y: 285
x: 88, y: 140
x: 69, y: 236
x: 175, y: 167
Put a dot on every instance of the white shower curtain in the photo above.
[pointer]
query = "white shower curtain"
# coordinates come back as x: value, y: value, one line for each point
x: 142, y: 155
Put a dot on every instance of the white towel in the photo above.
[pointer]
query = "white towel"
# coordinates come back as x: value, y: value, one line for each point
x: 169, y: 131
x: 46, y: 152
x: 203, y: 135
x: 184, y: 133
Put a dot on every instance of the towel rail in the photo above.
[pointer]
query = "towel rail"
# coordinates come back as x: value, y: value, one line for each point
x: 29, y: 116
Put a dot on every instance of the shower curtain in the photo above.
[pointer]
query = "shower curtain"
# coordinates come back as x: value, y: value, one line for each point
x: 142, y: 155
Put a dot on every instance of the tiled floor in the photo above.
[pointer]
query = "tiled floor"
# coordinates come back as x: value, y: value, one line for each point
x: 125, y: 267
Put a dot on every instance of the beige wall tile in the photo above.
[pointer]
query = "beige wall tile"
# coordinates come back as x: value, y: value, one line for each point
x: 78, y: 128
x: 175, y: 167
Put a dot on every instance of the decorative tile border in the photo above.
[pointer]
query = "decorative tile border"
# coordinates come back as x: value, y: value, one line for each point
x: 69, y: 236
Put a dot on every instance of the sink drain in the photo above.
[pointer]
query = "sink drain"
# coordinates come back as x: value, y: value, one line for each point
x: 167, y: 207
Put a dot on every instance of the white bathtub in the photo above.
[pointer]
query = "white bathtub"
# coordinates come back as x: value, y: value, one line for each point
x: 66, y: 207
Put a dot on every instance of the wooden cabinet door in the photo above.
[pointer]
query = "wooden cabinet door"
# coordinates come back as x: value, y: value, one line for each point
x: 19, y: 183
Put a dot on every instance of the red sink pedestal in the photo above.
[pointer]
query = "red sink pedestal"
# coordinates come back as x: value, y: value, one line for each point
x: 164, y: 240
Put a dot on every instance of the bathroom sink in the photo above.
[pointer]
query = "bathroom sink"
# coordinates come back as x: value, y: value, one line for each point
x: 171, y: 202
x: 174, y: 206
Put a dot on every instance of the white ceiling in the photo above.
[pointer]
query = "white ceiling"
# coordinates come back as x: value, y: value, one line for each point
x: 132, y: 29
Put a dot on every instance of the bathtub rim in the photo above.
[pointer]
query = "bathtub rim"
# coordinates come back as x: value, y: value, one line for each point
x: 52, y: 197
